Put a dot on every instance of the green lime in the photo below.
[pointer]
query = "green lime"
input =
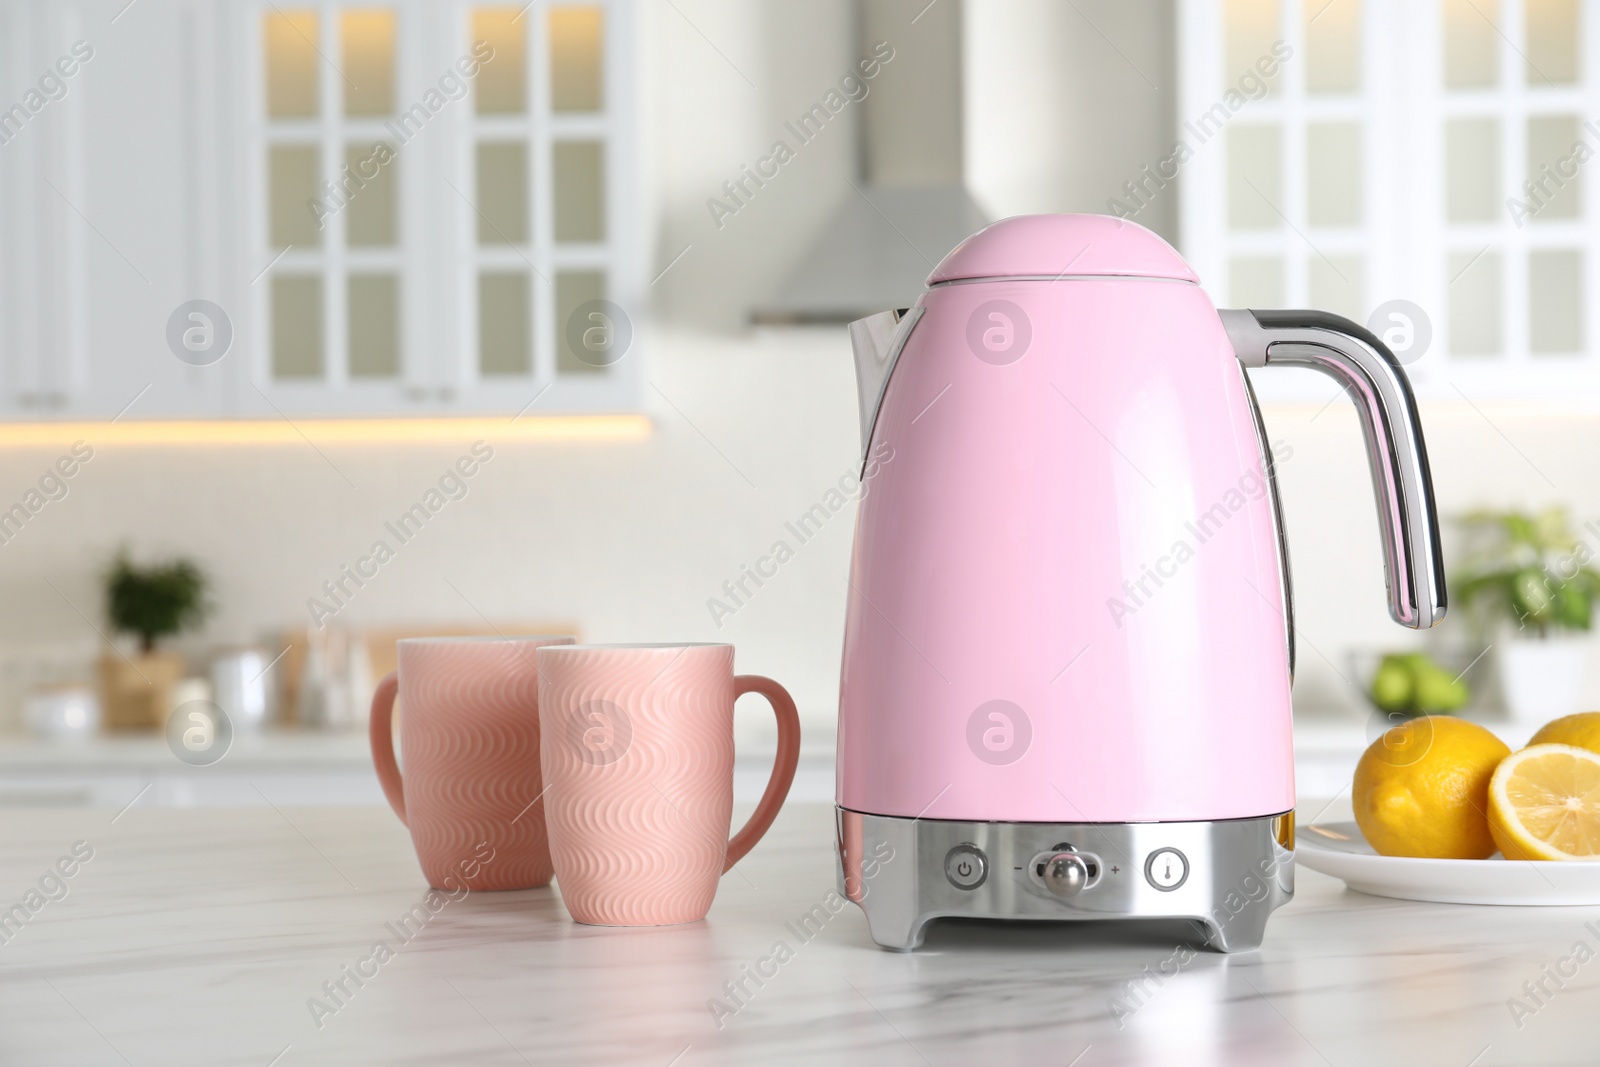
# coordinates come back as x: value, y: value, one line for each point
x: 1393, y: 685
x: 1438, y: 691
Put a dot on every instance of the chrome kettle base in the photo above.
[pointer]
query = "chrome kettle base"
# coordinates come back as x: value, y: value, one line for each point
x: 1225, y: 876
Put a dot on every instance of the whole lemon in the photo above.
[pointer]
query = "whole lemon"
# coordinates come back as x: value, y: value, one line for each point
x: 1580, y: 731
x: 1422, y: 789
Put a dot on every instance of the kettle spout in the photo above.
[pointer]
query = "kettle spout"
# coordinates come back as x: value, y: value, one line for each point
x: 877, y: 341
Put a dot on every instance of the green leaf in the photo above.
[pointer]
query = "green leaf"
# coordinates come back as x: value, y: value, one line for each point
x: 1515, y: 562
x: 1552, y: 530
x: 156, y: 601
x: 1520, y: 528
x: 1573, y: 607
x: 1531, y: 594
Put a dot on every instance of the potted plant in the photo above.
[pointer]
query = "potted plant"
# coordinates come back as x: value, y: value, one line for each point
x: 151, y: 603
x: 1529, y: 575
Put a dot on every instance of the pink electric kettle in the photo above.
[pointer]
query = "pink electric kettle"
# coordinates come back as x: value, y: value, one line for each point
x: 1070, y: 639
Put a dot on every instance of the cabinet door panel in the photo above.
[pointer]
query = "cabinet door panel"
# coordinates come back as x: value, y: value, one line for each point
x: 316, y: 209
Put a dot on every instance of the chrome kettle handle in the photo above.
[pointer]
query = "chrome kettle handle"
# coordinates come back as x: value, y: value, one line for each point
x: 1369, y: 373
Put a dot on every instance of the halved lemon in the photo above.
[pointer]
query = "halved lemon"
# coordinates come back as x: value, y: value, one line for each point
x: 1544, y: 804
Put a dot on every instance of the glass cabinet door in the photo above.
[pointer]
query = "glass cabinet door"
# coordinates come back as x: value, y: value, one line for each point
x: 440, y: 200
x: 332, y: 324
x: 550, y: 276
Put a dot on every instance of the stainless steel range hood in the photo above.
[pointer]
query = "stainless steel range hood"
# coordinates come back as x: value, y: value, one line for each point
x: 908, y: 206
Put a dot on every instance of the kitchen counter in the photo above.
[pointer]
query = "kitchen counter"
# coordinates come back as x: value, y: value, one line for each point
x: 277, y: 767
x: 326, y: 769
x: 198, y: 936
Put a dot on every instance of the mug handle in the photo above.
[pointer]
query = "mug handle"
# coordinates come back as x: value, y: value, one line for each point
x: 783, y: 765
x: 378, y: 730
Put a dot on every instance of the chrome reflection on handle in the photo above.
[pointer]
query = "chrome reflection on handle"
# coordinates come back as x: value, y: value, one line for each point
x: 1401, y: 480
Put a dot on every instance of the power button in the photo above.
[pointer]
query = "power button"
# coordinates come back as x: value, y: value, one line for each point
x: 966, y: 867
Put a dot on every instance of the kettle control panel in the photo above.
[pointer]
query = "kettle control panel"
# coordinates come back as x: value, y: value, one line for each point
x: 1223, y: 876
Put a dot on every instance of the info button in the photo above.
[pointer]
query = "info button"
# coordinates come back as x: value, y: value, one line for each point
x: 966, y: 867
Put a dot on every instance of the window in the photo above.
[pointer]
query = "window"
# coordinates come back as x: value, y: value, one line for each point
x: 1433, y: 152
x: 444, y: 227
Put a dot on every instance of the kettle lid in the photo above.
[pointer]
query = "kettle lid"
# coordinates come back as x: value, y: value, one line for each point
x: 1050, y: 246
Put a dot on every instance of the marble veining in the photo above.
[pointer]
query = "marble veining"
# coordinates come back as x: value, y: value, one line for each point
x: 199, y: 937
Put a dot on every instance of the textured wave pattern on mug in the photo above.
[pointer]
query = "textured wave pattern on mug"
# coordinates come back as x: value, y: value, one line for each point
x: 640, y: 839
x: 470, y: 730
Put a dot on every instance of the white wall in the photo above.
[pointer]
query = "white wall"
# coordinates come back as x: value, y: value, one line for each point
x: 722, y: 78
x: 629, y: 539
x: 1066, y: 101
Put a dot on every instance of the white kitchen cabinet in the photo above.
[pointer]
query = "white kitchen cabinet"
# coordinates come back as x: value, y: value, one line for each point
x: 42, y: 243
x: 1421, y: 167
x: 396, y: 206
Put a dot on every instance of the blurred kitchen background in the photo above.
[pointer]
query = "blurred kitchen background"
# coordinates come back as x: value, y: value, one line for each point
x: 280, y: 267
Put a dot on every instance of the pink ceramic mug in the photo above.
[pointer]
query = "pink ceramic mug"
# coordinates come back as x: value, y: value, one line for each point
x: 469, y: 732
x: 638, y: 757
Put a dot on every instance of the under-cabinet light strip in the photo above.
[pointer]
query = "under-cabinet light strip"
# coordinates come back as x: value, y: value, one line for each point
x: 329, y: 431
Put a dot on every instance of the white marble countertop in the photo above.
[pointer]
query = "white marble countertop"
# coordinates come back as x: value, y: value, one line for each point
x: 199, y: 936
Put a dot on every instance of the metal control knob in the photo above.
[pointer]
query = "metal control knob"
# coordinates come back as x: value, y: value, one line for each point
x: 1065, y: 874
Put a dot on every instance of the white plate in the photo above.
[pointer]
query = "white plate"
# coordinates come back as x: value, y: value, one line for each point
x: 1337, y: 848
